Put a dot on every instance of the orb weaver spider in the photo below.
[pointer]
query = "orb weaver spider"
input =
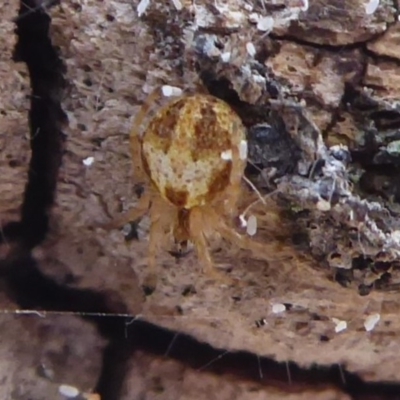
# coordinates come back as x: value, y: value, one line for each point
x: 191, y: 157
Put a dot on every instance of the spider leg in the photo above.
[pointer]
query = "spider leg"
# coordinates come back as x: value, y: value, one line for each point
x: 161, y: 220
x: 198, y: 238
x: 235, y: 184
x: 133, y: 214
x: 135, y: 135
x: 264, y: 251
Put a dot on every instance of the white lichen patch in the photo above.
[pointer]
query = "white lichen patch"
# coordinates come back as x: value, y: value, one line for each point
x: 371, y: 321
x: 278, y: 308
x: 265, y: 24
x: 371, y: 6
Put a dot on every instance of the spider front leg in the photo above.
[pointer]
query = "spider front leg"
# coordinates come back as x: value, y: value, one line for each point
x: 135, y: 137
x: 160, y: 222
x: 133, y: 214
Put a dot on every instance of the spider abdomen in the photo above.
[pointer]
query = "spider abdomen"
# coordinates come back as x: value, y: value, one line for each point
x: 183, y: 148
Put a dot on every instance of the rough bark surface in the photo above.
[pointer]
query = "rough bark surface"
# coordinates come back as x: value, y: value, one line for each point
x: 14, y: 129
x: 316, y: 84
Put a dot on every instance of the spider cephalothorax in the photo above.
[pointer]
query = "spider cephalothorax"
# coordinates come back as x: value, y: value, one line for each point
x: 192, y: 154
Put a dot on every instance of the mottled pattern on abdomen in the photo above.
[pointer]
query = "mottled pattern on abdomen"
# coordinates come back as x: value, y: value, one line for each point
x: 182, y: 148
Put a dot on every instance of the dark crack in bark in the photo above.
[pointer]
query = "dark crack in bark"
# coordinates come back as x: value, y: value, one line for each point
x: 31, y: 289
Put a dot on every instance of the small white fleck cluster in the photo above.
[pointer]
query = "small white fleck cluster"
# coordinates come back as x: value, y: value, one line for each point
x: 370, y: 321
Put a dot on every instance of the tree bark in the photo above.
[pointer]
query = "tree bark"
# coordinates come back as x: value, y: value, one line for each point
x: 316, y: 85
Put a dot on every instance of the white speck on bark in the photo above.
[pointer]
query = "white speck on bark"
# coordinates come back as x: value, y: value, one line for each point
x: 68, y: 391
x: 305, y: 5
x: 254, y: 18
x: 177, y: 4
x: 169, y: 91
x: 340, y: 325
x: 371, y: 6
x: 251, y: 50
x: 251, y: 225
x: 142, y: 7
x: 225, y: 57
x: 88, y: 161
x: 371, y: 321
x: 265, y: 24
x: 278, y: 308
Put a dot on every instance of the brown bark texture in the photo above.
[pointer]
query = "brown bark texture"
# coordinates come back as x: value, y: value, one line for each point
x: 316, y: 83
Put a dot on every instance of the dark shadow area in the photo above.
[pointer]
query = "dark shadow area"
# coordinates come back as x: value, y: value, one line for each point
x: 24, y: 282
x: 30, y: 289
x: 45, y: 121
